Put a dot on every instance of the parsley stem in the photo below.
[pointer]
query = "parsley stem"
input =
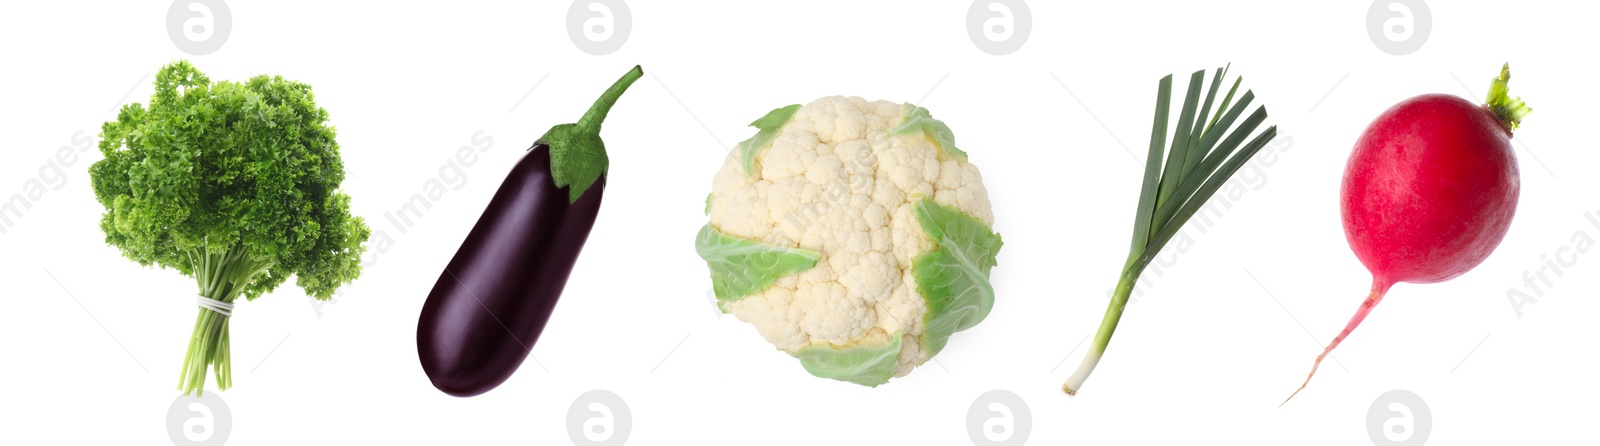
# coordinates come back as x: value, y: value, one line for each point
x: 222, y: 277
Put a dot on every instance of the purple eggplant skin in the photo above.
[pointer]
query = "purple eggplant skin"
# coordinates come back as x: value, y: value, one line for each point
x: 488, y: 307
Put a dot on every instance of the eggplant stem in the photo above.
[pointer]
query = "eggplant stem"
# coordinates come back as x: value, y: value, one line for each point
x: 597, y: 113
x: 1378, y: 291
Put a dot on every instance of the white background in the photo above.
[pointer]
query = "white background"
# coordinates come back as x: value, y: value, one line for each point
x: 1205, y: 355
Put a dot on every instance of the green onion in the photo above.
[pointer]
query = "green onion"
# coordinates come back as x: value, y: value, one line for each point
x: 1198, y: 162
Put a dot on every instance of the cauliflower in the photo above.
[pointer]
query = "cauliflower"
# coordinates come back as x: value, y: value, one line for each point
x: 854, y: 235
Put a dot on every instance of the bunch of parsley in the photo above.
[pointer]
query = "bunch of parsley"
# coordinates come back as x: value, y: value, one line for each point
x: 233, y: 184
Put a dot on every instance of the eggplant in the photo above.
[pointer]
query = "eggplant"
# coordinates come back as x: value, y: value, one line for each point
x: 487, y: 309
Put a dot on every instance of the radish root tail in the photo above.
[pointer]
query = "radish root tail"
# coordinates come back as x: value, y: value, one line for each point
x: 1378, y: 291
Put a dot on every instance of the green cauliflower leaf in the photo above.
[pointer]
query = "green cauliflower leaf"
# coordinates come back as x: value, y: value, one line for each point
x: 867, y: 365
x: 770, y: 126
x: 920, y: 120
x: 953, y: 279
x: 740, y: 268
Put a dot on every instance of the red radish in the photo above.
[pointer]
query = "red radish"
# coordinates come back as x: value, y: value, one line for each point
x: 1429, y: 191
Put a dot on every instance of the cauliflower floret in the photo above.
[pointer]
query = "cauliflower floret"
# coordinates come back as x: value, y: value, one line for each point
x: 835, y: 181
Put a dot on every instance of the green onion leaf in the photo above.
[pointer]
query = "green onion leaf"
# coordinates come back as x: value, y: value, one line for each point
x: 1205, y: 171
x: 1196, y: 151
x: 1180, y: 142
x: 1152, y: 171
x: 1198, y: 162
